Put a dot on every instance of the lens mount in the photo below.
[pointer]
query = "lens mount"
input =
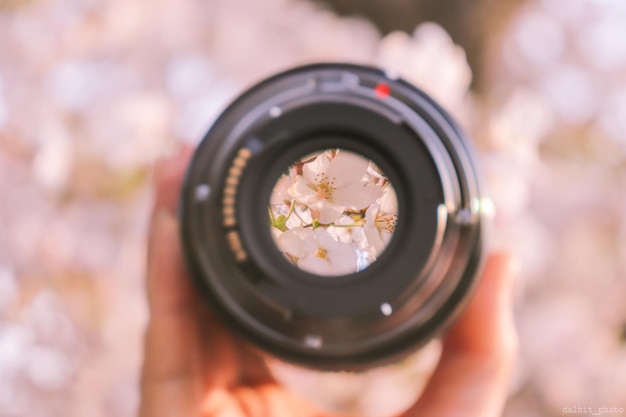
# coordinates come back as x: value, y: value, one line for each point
x: 409, y: 294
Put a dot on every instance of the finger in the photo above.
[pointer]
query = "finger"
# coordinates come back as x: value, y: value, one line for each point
x: 261, y: 401
x: 173, y: 298
x: 472, y: 376
x: 167, y: 179
x: 254, y: 369
x: 486, y: 327
x: 171, y: 375
x: 229, y: 361
x: 170, y: 291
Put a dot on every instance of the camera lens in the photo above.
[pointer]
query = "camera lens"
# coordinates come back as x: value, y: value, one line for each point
x: 332, y: 217
x: 333, y: 212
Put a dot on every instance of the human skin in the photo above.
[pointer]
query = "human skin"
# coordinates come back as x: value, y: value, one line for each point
x: 194, y: 367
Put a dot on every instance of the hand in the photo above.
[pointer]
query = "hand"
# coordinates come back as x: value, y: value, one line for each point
x: 193, y: 366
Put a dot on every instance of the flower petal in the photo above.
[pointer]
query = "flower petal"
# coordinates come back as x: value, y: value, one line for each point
x: 372, y: 213
x: 298, y: 242
x: 281, y: 190
x: 351, y: 235
x: 343, y: 260
x: 303, y: 192
x: 372, y: 233
x: 347, y: 168
x: 342, y: 256
x: 317, y: 266
x: 389, y: 201
x: 329, y: 212
x: 357, y: 196
x: 324, y: 239
x: 318, y: 166
x: 374, y: 239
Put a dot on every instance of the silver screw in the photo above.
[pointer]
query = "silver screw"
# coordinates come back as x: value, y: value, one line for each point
x: 386, y: 309
x: 464, y: 216
x: 202, y: 192
x: 313, y: 341
x: 275, y: 112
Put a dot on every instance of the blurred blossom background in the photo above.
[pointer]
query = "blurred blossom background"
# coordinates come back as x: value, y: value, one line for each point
x: 92, y: 92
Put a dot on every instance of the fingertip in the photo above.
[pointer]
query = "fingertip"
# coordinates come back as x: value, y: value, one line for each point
x: 164, y: 227
x: 169, y: 288
x: 502, y: 263
x: 167, y: 177
x: 501, y: 274
x: 505, y: 274
x: 486, y: 324
x: 165, y: 166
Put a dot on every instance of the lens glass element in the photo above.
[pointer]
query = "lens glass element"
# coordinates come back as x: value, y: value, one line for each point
x: 333, y: 212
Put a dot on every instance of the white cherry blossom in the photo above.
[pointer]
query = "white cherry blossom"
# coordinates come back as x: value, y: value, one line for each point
x: 380, y: 221
x: 316, y: 251
x: 280, y: 194
x: 347, y: 230
x: 331, y: 186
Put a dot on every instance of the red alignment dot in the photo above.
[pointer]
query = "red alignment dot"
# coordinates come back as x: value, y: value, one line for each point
x: 382, y: 90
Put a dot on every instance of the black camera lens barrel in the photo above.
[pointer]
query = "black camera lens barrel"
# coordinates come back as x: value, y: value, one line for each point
x: 418, y: 285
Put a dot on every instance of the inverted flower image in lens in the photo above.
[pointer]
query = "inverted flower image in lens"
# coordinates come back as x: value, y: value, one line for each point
x: 333, y: 212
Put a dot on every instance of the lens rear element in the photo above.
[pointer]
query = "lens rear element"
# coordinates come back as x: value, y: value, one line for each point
x: 332, y: 212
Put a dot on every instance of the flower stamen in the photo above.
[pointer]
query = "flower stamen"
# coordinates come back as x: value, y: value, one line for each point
x: 387, y: 223
x: 324, y: 187
x: 321, y: 253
